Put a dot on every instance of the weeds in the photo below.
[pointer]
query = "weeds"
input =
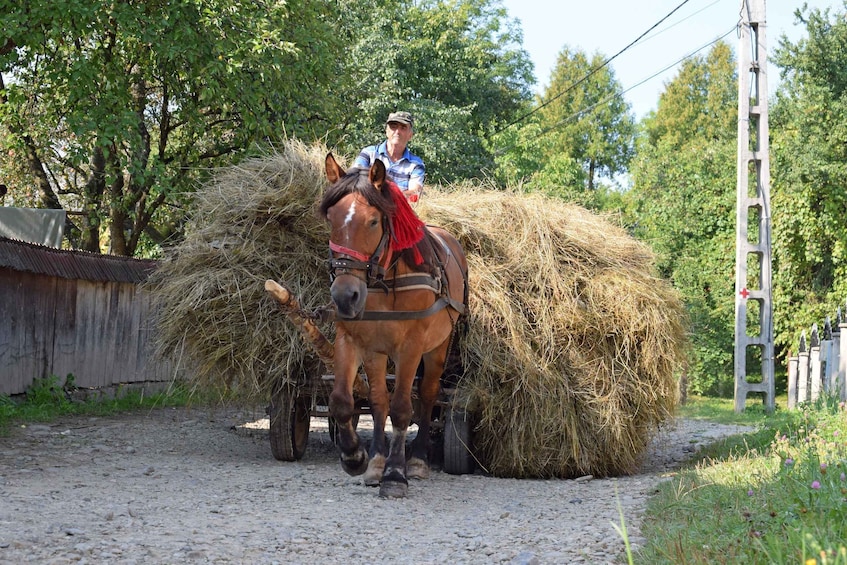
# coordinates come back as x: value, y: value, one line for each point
x: 778, y: 495
x: 48, y: 399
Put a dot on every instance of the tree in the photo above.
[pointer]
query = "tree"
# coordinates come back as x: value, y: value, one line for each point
x: 683, y: 204
x: 116, y: 109
x: 456, y: 65
x: 587, y: 128
x: 809, y: 173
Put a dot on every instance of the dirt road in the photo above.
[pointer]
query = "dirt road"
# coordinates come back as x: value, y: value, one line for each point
x: 192, y: 485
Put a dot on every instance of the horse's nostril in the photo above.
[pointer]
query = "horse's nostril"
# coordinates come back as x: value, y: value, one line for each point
x: 354, y: 297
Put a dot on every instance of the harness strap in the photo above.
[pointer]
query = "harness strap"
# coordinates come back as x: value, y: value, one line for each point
x: 440, y: 304
x: 347, y: 251
x: 411, y: 281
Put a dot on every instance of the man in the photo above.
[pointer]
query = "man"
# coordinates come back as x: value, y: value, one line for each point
x: 402, y: 166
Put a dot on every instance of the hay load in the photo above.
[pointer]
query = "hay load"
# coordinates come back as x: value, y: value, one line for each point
x: 252, y: 222
x: 573, y: 343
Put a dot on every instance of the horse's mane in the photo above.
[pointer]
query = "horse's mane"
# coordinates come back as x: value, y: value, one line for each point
x: 356, y: 181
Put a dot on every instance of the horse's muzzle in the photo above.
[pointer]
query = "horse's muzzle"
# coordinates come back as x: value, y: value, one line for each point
x: 349, y: 294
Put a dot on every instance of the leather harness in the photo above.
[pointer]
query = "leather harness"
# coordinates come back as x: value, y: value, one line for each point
x: 375, y: 268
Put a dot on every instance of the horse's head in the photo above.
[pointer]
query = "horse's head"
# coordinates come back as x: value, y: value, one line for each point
x: 357, y: 206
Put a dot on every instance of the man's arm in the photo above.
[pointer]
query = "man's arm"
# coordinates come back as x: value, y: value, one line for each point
x: 365, y: 157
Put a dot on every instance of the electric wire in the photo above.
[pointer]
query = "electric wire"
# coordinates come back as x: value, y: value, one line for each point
x: 611, y: 97
x: 591, y: 72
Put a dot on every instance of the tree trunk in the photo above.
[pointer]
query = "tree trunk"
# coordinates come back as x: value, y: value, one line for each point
x: 592, y: 164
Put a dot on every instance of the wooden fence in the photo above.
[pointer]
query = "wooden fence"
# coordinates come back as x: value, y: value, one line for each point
x: 820, y: 366
x: 66, y: 312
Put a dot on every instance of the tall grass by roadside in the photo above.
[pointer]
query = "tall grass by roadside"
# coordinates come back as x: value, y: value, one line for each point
x: 47, y: 400
x: 774, y: 496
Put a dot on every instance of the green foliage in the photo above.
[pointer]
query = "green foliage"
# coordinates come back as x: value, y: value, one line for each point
x: 580, y: 131
x: 586, y: 116
x: 457, y: 65
x: 116, y: 109
x: 683, y: 204
x: 809, y: 164
x: 779, y: 499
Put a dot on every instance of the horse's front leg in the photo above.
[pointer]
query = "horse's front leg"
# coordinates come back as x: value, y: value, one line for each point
x: 375, y: 368
x: 354, y: 459
x: 394, y: 483
x: 417, y: 466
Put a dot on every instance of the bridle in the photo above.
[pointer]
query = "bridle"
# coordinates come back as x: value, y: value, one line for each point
x: 374, y: 266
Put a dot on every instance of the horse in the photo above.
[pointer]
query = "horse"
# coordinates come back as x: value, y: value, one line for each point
x: 398, y: 288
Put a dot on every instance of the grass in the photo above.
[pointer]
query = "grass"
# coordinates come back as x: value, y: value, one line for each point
x: 46, y: 400
x: 775, y: 495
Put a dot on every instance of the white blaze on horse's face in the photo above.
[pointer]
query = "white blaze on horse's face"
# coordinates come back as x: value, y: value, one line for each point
x: 351, y: 212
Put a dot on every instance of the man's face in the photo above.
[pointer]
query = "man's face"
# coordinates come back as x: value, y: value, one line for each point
x: 398, y: 133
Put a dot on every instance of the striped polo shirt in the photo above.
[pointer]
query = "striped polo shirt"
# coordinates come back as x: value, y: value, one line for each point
x: 409, y: 166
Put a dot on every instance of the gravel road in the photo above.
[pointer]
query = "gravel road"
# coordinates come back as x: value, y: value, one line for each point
x: 190, y: 485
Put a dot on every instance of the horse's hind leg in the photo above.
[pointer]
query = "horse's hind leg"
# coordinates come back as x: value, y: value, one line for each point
x: 354, y: 459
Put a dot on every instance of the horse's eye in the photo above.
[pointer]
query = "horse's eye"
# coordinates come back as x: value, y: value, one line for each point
x: 374, y: 223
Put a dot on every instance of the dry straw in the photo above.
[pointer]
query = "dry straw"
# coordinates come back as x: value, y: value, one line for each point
x: 573, y: 348
x: 574, y: 345
x: 251, y: 222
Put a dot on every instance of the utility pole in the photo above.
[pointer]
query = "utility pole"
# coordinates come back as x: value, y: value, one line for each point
x: 754, y: 350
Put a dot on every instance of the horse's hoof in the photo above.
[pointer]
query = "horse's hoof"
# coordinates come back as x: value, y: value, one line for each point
x: 355, y: 464
x: 394, y: 484
x: 376, y: 466
x: 416, y: 468
x: 393, y: 489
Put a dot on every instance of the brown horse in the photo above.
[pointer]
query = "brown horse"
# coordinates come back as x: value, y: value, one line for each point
x: 398, y: 288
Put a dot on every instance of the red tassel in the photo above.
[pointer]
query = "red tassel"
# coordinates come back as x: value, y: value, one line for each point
x: 407, y: 227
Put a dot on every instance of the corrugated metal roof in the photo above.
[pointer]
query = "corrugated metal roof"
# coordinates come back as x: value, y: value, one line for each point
x: 83, y: 265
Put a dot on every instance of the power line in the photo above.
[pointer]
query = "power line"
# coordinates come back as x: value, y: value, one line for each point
x: 591, y: 72
x: 580, y: 113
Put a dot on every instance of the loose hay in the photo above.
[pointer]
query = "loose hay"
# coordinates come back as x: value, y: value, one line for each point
x: 573, y: 344
x: 252, y: 222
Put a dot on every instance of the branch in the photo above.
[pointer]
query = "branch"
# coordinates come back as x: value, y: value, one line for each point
x: 8, y: 47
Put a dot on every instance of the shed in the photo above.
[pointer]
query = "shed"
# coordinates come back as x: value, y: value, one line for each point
x: 72, y: 312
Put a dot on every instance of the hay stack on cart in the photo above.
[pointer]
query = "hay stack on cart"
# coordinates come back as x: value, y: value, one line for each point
x: 573, y: 345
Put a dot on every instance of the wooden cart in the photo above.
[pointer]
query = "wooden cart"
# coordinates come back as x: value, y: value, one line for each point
x: 292, y: 407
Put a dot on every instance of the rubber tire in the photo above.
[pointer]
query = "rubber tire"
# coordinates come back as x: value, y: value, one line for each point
x: 289, y: 425
x: 458, y: 458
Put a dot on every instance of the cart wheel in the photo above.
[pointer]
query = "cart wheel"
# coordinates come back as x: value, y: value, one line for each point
x: 289, y: 429
x: 458, y: 459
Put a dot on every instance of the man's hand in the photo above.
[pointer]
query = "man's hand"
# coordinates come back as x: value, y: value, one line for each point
x: 414, y: 192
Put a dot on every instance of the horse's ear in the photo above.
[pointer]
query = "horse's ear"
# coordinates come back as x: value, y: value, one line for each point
x: 377, y: 174
x: 333, y: 169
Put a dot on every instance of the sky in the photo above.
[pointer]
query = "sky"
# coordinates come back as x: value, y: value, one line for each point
x: 608, y: 26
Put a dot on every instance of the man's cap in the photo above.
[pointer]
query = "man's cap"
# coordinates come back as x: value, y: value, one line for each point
x: 401, y: 117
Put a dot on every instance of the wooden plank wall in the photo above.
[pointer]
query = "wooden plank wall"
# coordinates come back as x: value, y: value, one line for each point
x: 98, y: 331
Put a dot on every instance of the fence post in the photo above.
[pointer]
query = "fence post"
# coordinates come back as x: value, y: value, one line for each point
x: 802, y: 371
x: 841, y: 379
x: 826, y: 356
x: 834, y: 361
x: 792, y: 381
x: 815, y: 364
